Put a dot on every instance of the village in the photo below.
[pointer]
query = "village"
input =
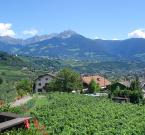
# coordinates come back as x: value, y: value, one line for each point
x: 104, y: 85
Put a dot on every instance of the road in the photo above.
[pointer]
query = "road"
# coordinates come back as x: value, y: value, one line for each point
x: 21, y: 101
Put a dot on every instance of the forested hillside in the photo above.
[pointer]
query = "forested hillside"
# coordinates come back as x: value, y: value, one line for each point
x: 69, y: 44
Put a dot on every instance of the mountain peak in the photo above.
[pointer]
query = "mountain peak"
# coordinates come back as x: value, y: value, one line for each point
x: 10, y: 40
x: 67, y: 34
x: 38, y: 38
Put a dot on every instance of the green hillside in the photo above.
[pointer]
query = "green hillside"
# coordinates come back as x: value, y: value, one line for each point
x: 14, y: 68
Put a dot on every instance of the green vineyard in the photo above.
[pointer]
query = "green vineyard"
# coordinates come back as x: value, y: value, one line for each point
x: 73, y: 114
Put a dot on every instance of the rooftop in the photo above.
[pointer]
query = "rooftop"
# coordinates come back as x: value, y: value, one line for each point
x: 103, y: 82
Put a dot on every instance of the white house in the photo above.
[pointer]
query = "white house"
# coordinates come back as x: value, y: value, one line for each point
x: 41, y: 82
x: 143, y: 88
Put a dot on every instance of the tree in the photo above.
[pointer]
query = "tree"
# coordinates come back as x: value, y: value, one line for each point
x: 135, y: 96
x: 51, y: 86
x: 1, y: 80
x: 135, y: 85
x: 136, y: 93
x: 66, y: 81
x: 3, y: 73
x: 94, y: 87
x: 23, y: 87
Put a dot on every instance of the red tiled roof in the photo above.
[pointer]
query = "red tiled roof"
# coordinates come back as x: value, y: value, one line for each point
x: 100, y: 80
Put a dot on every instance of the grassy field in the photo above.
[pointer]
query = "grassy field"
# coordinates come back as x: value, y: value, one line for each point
x: 74, y: 114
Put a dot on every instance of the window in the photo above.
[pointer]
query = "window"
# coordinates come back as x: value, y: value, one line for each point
x: 39, y: 84
x: 98, y: 79
x: 46, y: 79
x: 39, y: 90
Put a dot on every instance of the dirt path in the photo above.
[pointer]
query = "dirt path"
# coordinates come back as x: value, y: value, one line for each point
x: 21, y: 101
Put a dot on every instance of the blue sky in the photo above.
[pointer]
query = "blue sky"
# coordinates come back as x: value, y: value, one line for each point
x: 106, y: 19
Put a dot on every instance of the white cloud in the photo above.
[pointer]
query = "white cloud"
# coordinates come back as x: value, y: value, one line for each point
x: 5, y: 30
x: 31, y: 32
x: 139, y: 33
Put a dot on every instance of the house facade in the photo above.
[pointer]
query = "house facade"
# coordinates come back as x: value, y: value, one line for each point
x: 41, y: 82
x: 143, y: 87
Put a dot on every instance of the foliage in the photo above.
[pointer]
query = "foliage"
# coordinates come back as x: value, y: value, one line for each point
x: 7, y: 92
x: 66, y: 81
x: 8, y: 108
x: 8, y: 59
x: 10, y: 76
x: 23, y: 87
x: 94, y: 87
x: 135, y: 85
x: 3, y: 73
x: 22, y: 132
x: 51, y: 86
x: 1, y: 80
x: 71, y: 114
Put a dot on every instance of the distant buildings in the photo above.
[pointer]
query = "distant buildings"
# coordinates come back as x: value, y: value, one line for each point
x: 42, y: 80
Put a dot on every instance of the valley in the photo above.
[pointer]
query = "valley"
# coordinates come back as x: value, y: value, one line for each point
x: 14, y: 68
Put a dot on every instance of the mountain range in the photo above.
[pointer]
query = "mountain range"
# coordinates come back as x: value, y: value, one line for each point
x: 71, y: 45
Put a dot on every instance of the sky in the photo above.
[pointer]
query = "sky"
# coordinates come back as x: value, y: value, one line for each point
x: 105, y: 19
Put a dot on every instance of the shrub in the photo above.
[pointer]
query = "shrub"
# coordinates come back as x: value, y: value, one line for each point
x: 1, y: 80
x: 94, y: 87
